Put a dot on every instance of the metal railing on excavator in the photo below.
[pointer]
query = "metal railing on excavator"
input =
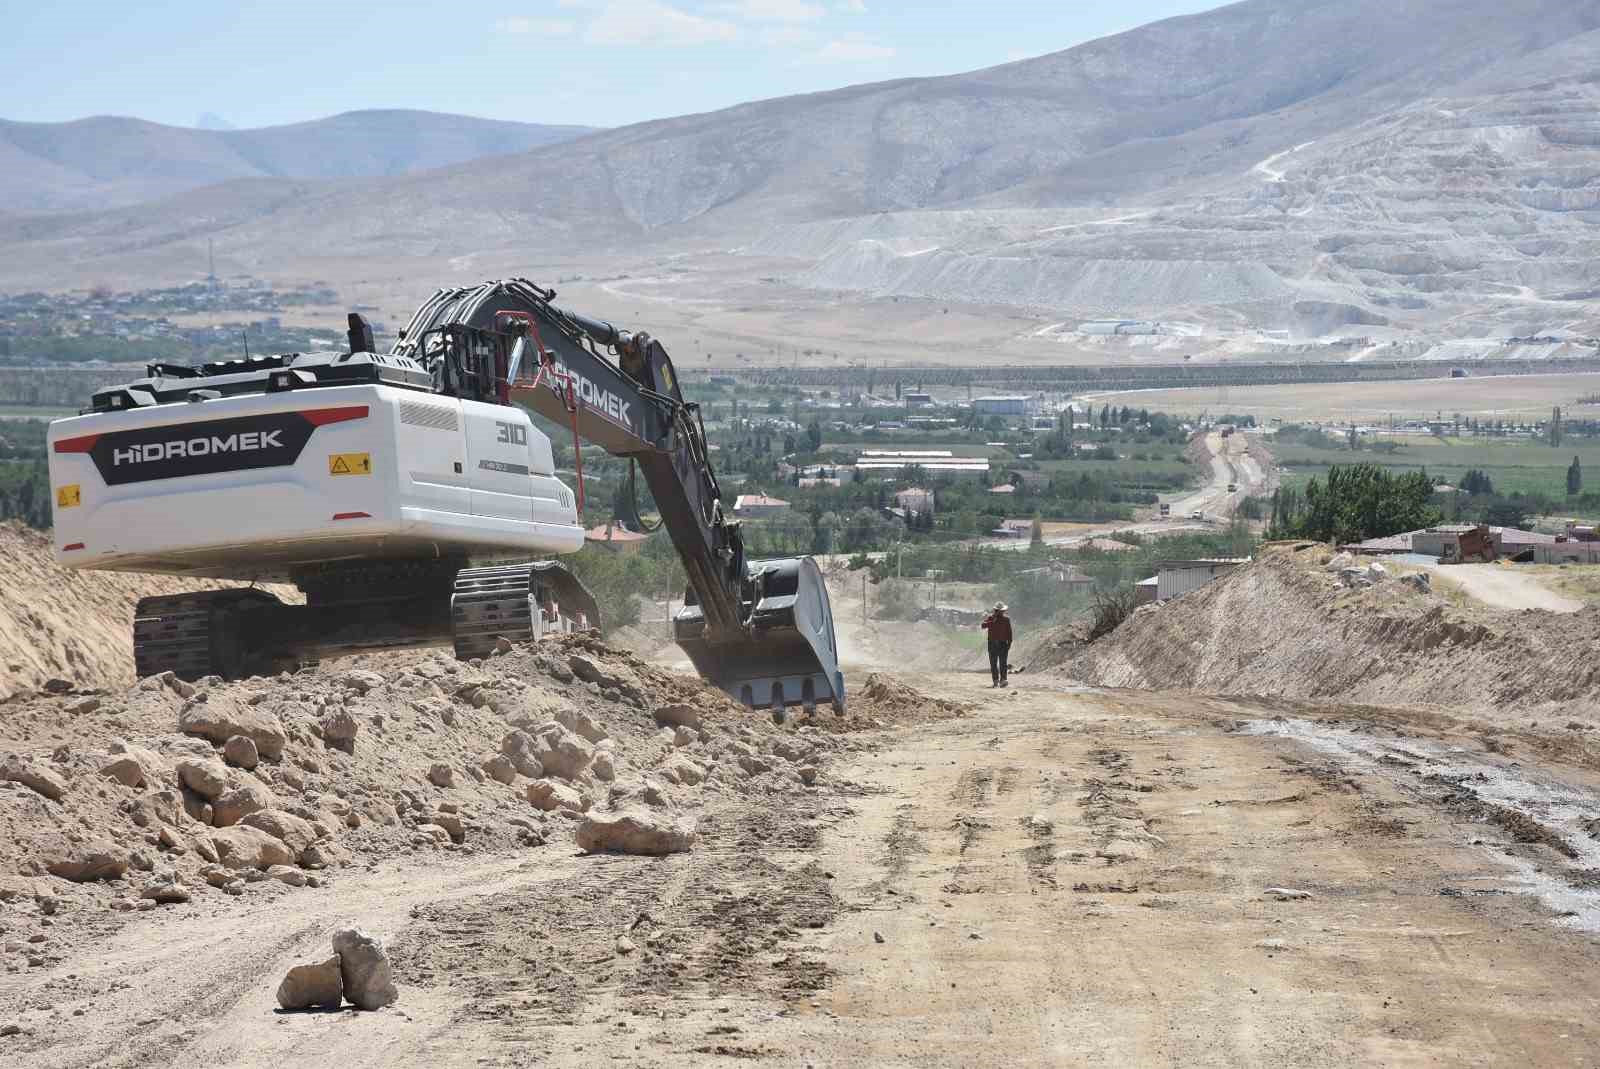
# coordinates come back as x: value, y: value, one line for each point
x: 762, y: 630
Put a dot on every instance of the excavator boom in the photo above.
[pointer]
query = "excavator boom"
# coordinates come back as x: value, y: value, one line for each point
x: 762, y: 630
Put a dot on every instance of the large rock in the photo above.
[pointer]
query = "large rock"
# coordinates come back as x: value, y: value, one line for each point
x: 240, y: 752
x: 500, y: 768
x: 519, y: 748
x: 792, y: 750
x: 34, y: 776
x: 364, y: 965
x: 306, y: 986
x: 635, y: 832
x: 167, y: 891
x: 441, y: 775
x: 135, y: 766
x: 453, y: 826
x: 550, y: 796
x: 686, y: 716
x: 86, y: 862
x: 680, y: 769
x: 324, y: 854
x: 153, y: 809
x: 361, y: 681
x: 581, y: 723
x: 238, y: 802
x: 561, y: 752
x: 292, y: 831
x: 647, y: 789
x: 339, y: 731
x: 241, y: 847
x: 204, y: 777
x: 218, y: 718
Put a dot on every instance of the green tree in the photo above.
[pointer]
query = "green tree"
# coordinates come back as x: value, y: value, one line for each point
x: 1575, y: 479
x: 814, y: 435
x: 1360, y: 501
x: 1036, y: 533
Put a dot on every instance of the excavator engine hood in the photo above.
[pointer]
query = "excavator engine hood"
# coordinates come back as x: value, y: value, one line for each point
x: 787, y: 655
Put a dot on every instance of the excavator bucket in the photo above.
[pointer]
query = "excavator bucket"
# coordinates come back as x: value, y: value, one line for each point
x: 788, y: 655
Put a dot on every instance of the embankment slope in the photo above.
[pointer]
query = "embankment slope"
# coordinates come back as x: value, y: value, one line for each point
x: 1284, y: 627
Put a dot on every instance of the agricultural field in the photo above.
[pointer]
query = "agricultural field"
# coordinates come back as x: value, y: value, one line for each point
x: 1512, y: 465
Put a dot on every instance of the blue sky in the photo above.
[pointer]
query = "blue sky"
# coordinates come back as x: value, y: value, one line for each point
x: 595, y: 62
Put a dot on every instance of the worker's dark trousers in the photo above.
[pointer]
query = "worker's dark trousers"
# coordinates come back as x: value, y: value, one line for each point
x: 998, y: 651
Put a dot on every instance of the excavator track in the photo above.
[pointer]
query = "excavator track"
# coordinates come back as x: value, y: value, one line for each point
x: 193, y: 635
x: 489, y: 604
x: 511, y: 601
x: 172, y: 634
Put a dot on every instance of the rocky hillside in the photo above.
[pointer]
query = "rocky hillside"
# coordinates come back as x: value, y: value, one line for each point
x: 109, y: 161
x: 1285, y: 627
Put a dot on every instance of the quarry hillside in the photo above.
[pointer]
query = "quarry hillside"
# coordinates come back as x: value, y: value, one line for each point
x: 1373, y: 167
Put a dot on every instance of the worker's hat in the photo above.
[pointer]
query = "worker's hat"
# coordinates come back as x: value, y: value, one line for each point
x: 999, y: 606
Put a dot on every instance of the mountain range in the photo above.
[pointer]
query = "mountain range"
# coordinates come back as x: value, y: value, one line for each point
x: 110, y: 161
x: 1309, y: 165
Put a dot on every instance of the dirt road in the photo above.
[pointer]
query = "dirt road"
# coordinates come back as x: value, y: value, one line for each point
x: 1231, y: 465
x: 1057, y: 878
x: 1502, y: 587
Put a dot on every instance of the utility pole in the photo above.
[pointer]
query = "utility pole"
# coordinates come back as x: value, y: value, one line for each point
x: 863, y: 597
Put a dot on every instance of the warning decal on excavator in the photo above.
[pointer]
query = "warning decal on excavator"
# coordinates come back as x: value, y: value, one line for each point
x: 349, y: 463
x: 69, y: 496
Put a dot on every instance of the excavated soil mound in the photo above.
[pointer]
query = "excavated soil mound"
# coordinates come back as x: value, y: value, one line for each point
x: 1284, y: 626
x: 888, y: 701
x: 56, y: 623
x: 167, y: 792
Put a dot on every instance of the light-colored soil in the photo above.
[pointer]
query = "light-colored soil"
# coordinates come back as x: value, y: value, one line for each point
x: 1283, y: 626
x: 56, y: 623
x: 1044, y: 875
x: 1504, y: 586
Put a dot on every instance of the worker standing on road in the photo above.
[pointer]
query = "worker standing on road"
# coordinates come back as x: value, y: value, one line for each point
x: 998, y: 624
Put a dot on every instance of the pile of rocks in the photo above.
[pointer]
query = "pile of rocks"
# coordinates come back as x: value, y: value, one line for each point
x: 359, y: 972
x: 173, y: 790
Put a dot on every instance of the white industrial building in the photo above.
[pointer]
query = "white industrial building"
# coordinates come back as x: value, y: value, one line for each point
x: 933, y: 461
x: 757, y: 506
x: 1175, y: 578
x: 1004, y: 405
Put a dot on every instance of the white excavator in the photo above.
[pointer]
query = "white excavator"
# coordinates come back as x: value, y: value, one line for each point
x: 390, y: 487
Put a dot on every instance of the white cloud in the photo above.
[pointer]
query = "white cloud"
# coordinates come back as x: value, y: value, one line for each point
x: 774, y: 10
x: 543, y: 27
x: 852, y: 49
x: 852, y: 7
x: 788, y: 37
x: 649, y: 22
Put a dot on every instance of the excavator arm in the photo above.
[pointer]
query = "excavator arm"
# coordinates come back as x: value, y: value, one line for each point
x: 762, y: 630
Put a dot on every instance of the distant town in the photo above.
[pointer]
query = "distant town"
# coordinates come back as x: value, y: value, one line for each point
x: 101, y: 326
